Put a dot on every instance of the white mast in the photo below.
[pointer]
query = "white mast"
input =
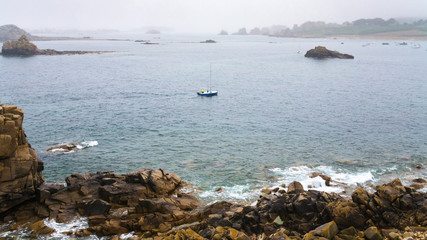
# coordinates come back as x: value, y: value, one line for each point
x: 210, y: 77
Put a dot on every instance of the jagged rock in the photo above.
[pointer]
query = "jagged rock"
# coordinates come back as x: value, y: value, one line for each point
x: 39, y: 228
x: 321, y: 52
x: 228, y: 233
x: 361, y: 196
x: 20, y: 168
x: 346, y: 214
x: 419, y: 180
x: 92, y: 207
x: 327, y: 230
x: 22, y: 47
x: 350, y: 233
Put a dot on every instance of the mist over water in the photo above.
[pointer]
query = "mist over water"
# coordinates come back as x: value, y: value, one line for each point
x: 277, y: 118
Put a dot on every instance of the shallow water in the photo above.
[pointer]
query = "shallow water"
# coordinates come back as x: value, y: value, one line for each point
x: 278, y: 116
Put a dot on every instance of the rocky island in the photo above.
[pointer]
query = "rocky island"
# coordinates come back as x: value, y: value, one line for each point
x: 321, y: 52
x: 150, y: 204
x: 23, y: 47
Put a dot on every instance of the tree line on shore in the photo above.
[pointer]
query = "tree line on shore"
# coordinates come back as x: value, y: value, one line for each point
x: 322, y: 29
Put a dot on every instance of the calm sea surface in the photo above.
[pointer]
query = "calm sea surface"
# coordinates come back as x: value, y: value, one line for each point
x: 278, y: 116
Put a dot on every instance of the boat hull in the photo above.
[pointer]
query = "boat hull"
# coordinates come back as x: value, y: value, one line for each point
x: 207, y: 94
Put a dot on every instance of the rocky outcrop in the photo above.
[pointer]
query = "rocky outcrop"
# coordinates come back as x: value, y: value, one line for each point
x: 145, y: 201
x: 149, y: 204
x: 62, y: 148
x: 23, y: 47
x: 208, y: 41
x: 20, y: 168
x: 321, y: 52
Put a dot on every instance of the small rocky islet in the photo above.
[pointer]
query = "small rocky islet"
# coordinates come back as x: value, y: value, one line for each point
x: 321, y: 52
x: 149, y: 204
x: 23, y: 47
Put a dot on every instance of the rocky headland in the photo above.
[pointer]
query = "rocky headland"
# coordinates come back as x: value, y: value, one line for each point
x: 23, y: 47
x: 321, y: 52
x: 151, y: 205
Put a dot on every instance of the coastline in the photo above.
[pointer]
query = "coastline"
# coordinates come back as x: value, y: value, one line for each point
x: 151, y: 204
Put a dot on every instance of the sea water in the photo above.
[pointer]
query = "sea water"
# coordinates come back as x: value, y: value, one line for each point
x: 278, y: 116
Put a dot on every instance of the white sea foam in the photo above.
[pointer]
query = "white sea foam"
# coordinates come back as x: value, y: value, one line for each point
x: 86, y: 144
x: 60, y: 228
x: 341, y: 182
x: 58, y: 150
x: 78, y: 146
x: 128, y: 235
x: 340, y: 179
x: 236, y: 192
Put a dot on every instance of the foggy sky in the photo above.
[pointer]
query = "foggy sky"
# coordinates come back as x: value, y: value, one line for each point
x: 187, y: 16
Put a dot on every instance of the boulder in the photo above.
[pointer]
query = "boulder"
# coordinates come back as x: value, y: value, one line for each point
x: 39, y: 228
x: 346, y: 214
x: 321, y: 52
x: 92, y: 207
x: 327, y: 230
x: 372, y: 233
x: 350, y: 233
x: 295, y: 187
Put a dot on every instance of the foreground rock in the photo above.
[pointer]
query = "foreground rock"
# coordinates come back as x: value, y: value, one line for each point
x: 321, y: 52
x: 149, y: 204
x: 23, y: 47
x: 20, y: 168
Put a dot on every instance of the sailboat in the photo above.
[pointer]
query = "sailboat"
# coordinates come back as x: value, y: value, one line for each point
x: 209, y: 92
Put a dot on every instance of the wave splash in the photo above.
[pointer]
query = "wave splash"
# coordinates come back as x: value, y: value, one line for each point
x: 71, y: 146
x: 341, y: 181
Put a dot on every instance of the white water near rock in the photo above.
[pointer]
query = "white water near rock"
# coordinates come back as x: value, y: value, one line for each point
x: 74, y: 146
x: 341, y: 179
